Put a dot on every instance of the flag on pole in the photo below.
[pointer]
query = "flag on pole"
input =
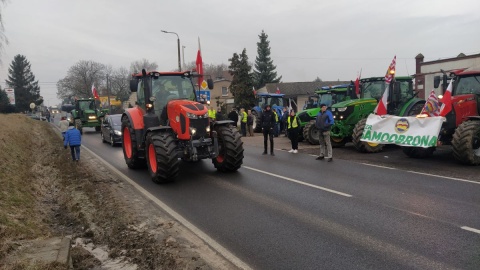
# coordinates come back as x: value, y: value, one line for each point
x: 432, y: 107
x: 447, y: 100
x: 199, y: 64
x: 254, y: 91
x: 381, y: 108
x: 94, y: 92
x: 357, y: 84
x: 278, y: 91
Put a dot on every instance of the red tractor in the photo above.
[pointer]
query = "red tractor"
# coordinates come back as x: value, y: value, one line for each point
x: 462, y: 126
x: 168, y: 125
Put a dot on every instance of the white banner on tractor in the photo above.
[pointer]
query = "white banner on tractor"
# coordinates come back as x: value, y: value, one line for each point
x: 404, y: 131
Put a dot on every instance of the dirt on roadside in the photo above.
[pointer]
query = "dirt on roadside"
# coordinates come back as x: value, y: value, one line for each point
x: 110, y: 224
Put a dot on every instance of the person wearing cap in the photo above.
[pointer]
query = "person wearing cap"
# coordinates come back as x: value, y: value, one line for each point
x: 268, y: 123
x: 323, y: 123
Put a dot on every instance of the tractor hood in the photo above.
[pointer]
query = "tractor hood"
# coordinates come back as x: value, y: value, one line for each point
x: 182, y: 106
x: 353, y: 102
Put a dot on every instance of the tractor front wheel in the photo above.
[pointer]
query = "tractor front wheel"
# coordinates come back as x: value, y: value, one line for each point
x: 338, y: 141
x: 230, y: 150
x: 311, y: 133
x: 129, y: 145
x: 466, y: 143
x: 162, y: 161
x: 361, y: 146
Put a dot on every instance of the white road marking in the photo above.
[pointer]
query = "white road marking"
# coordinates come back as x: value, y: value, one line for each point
x: 470, y: 229
x: 212, y: 243
x: 298, y: 182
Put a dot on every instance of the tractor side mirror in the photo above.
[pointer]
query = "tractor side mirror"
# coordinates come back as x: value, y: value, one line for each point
x: 436, y: 81
x: 210, y: 84
x: 133, y: 85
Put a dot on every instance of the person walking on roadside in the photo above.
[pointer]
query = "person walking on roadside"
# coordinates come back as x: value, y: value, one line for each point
x: 268, y: 123
x: 219, y: 114
x: 73, y: 138
x: 243, y: 122
x: 293, y: 129
x: 250, y: 123
x: 47, y: 115
x: 63, y: 125
x: 323, y: 123
x: 233, y: 115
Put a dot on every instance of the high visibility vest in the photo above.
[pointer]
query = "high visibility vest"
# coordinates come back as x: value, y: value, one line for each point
x: 212, y: 113
x: 244, y: 117
x: 276, y: 116
x: 294, y: 124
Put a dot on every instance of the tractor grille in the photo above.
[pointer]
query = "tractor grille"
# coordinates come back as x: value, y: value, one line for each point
x: 201, y: 126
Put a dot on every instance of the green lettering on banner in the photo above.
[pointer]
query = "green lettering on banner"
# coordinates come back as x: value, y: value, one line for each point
x: 408, y: 141
x: 367, y: 135
x: 393, y: 138
x: 433, y: 141
x: 400, y: 139
x: 367, y: 127
x: 385, y: 137
x: 424, y: 141
x: 376, y: 136
x: 416, y: 141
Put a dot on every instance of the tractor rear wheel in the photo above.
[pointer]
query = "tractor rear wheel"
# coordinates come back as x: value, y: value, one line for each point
x: 78, y: 125
x: 230, y: 150
x: 162, y: 160
x: 257, y: 122
x: 361, y: 146
x: 311, y: 133
x: 466, y: 143
x: 418, y: 152
x: 130, y: 146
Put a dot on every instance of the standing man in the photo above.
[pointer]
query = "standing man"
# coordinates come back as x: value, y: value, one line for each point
x: 211, y: 113
x: 233, y: 115
x: 63, y: 125
x: 73, y: 138
x: 243, y: 123
x: 293, y: 129
x: 250, y: 123
x: 47, y: 115
x: 324, y: 122
x: 283, y: 122
x: 219, y: 114
x: 268, y: 123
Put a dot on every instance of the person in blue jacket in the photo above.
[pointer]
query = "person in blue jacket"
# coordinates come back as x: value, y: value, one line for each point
x: 323, y: 123
x: 73, y: 138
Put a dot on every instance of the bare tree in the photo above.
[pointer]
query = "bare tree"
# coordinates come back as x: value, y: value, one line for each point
x: 215, y: 71
x: 80, y: 78
x: 137, y: 66
x: 120, y: 83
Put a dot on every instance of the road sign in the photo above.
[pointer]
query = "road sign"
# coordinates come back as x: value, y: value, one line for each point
x: 11, y: 95
x: 203, y: 95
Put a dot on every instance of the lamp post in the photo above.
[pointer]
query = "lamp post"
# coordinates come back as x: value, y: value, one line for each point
x: 183, y: 56
x: 178, y: 48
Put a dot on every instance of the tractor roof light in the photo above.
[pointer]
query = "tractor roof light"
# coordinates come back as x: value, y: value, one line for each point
x: 149, y: 105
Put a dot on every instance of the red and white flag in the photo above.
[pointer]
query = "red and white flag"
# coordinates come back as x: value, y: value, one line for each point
x: 278, y: 91
x: 432, y: 107
x: 357, y: 84
x: 447, y: 100
x: 94, y: 92
x: 199, y: 64
x: 381, y: 108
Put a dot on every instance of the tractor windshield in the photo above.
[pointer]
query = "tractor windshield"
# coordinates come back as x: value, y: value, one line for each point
x: 272, y: 101
x: 166, y: 88
x: 86, y: 105
x: 326, y: 99
x: 468, y: 85
x: 373, y: 89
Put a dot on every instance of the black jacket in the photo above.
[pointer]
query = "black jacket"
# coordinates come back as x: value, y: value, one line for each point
x: 268, y: 119
x: 233, y: 115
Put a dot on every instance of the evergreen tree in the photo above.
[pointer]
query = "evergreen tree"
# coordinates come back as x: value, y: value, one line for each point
x: 22, y: 80
x: 264, y: 69
x: 242, y: 82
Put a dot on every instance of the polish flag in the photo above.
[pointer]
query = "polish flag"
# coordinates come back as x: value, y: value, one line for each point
x: 447, y: 100
x: 381, y: 108
x: 254, y: 91
x: 94, y: 92
x: 432, y: 108
x: 357, y: 84
x: 278, y: 91
x: 199, y: 64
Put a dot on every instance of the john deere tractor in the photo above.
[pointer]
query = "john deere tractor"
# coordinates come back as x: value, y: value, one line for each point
x: 87, y: 114
x: 328, y: 95
x: 169, y: 124
x: 350, y: 116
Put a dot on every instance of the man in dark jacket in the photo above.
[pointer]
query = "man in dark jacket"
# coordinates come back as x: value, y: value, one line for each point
x: 219, y: 114
x: 73, y: 138
x: 233, y: 115
x: 323, y: 123
x: 268, y: 123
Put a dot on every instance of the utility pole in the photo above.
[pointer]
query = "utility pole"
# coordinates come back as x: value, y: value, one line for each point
x: 108, y: 97
x: 183, y: 56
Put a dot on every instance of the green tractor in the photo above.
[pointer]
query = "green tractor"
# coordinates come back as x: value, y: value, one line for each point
x: 328, y: 95
x: 87, y: 114
x: 351, y: 115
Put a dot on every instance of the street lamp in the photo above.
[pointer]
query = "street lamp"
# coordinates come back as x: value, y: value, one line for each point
x: 183, y: 56
x: 178, y: 47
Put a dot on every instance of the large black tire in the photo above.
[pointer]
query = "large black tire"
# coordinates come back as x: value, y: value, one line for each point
x: 466, y: 143
x: 418, y: 152
x: 257, y: 122
x: 338, y: 142
x: 162, y: 160
x: 416, y: 109
x: 311, y: 133
x: 129, y: 145
x: 230, y: 150
x: 78, y: 125
x: 361, y: 146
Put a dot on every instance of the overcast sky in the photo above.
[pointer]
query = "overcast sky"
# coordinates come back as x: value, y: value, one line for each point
x: 308, y: 38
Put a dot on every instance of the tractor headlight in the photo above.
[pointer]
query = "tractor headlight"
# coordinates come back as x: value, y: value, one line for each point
x: 334, y: 117
x: 342, y: 109
x: 333, y: 109
x: 341, y: 116
x: 193, y: 131
x: 192, y: 115
x: 92, y: 117
x: 208, y: 129
x: 117, y: 132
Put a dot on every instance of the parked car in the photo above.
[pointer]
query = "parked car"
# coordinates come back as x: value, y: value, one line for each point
x: 111, y: 129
